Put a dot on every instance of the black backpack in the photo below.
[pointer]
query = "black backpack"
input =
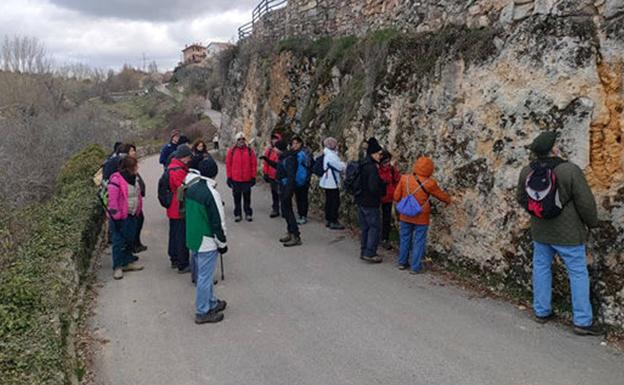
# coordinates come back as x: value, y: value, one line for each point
x: 352, y: 181
x: 318, y: 168
x: 165, y: 195
x: 542, y: 192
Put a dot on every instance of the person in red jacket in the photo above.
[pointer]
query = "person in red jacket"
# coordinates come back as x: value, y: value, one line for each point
x: 390, y: 175
x: 177, y: 169
x: 241, y: 166
x: 269, y: 169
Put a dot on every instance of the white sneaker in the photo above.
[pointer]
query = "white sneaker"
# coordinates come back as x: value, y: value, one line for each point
x: 118, y: 273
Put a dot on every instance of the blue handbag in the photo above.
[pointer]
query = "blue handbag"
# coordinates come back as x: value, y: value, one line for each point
x: 409, y: 205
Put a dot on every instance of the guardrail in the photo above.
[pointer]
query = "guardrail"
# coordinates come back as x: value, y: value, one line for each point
x: 264, y: 8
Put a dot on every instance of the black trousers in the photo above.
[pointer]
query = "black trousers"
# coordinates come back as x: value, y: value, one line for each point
x: 275, y: 197
x: 286, y: 197
x: 178, y: 252
x: 301, y: 197
x: 137, y: 238
x: 386, y: 220
x: 332, y: 205
x: 242, y: 191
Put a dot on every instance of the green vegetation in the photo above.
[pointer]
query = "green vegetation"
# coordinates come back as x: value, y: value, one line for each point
x: 41, y: 274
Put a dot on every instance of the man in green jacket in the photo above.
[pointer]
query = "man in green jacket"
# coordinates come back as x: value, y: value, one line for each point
x: 205, y: 237
x: 563, y: 208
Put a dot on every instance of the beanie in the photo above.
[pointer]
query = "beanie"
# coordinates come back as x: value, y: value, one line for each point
x: 373, y: 146
x: 183, y: 151
x: 208, y: 168
x: 330, y: 143
x: 544, y: 142
x: 281, y: 145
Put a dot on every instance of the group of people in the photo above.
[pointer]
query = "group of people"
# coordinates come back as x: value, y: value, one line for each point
x: 555, y: 193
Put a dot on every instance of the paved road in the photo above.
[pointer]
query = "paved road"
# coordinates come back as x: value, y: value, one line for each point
x: 316, y: 315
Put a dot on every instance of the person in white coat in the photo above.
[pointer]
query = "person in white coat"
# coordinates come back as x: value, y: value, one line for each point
x: 333, y: 168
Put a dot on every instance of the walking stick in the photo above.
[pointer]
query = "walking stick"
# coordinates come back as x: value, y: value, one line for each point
x: 222, y: 274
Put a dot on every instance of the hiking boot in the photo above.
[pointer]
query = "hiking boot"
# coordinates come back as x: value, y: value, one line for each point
x: 174, y: 265
x: 416, y: 272
x: 365, y: 258
x: 134, y: 266
x: 544, y: 319
x: 302, y: 220
x: 185, y: 270
x: 274, y: 214
x: 221, y: 305
x: 118, y: 273
x: 376, y: 259
x: 336, y: 226
x: 248, y: 218
x: 294, y: 241
x: 140, y: 249
x: 210, y: 317
x: 591, y: 330
x: 238, y: 218
x: 403, y: 267
x: 286, y: 238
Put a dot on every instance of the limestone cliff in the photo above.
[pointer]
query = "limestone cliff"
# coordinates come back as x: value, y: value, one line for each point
x: 469, y: 83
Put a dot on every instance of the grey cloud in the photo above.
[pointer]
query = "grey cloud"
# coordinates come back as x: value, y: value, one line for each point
x: 155, y: 10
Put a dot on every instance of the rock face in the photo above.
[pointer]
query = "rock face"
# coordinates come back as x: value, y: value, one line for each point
x: 469, y: 83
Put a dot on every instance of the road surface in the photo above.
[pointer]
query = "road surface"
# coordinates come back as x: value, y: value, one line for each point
x: 317, y: 315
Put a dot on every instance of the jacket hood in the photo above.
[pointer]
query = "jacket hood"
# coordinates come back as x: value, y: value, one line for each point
x: 423, y: 167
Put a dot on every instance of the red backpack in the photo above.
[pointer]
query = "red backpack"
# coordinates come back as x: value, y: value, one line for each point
x: 541, y: 190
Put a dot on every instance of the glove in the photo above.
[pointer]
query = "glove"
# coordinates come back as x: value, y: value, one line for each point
x: 230, y: 183
x: 253, y: 182
x: 223, y: 250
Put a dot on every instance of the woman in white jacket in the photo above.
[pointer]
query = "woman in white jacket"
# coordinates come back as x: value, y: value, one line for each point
x: 330, y: 182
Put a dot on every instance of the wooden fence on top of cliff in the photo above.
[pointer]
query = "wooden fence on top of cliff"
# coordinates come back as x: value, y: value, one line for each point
x: 262, y: 9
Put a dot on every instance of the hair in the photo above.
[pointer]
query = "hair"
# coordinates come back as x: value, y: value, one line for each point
x: 128, y: 164
x: 196, y: 144
x: 124, y: 148
x: 296, y: 138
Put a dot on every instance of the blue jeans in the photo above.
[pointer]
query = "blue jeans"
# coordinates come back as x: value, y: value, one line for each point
x: 412, y: 237
x: 370, y: 224
x: 575, y: 261
x: 123, y: 237
x: 205, y: 297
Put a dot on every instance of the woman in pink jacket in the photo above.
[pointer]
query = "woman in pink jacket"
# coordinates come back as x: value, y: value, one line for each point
x: 124, y: 206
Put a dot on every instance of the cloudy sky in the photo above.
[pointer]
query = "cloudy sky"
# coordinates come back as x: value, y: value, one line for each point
x: 109, y: 33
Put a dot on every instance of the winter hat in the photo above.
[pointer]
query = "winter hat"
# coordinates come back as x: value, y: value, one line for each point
x: 281, y: 145
x: 183, y: 151
x: 208, y: 168
x: 239, y: 135
x: 373, y: 146
x: 544, y: 142
x: 330, y: 143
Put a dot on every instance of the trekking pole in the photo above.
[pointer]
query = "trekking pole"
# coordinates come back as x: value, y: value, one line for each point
x: 222, y: 273
x: 594, y: 287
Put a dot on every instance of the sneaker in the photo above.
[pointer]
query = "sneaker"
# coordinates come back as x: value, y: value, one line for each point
x: 376, y: 259
x: 238, y: 218
x: 274, y: 214
x: 302, y: 220
x: 365, y: 258
x: 140, y: 249
x: 210, y: 317
x: 402, y: 267
x: 336, y: 226
x: 286, y: 238
x: 185, y: 270
x: 294, y: 241
x: 118, y: 273
x: 416, y: 272
x: 544, y: 319
x: 134, y: 266
x: 221, y: 305
x: 591, y: 330
x: 248, y: 218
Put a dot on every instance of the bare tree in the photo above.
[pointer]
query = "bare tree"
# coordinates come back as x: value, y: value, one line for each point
x: 152, y: 67
x: 25, y: 55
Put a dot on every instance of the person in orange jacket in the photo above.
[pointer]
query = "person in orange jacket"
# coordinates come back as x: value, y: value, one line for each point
x: 413, y: 230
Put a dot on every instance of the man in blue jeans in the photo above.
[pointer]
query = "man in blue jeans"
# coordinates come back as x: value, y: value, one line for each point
x: 205, y: 237
x: 562, y: 208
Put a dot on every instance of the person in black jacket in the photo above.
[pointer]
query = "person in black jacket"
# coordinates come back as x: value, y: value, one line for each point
x: 369, y: 202
x: 111, y: 165
x: 286, y: 174
x: 138, y: 245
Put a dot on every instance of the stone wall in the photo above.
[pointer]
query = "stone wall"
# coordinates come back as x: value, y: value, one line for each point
x: 469, y: 83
